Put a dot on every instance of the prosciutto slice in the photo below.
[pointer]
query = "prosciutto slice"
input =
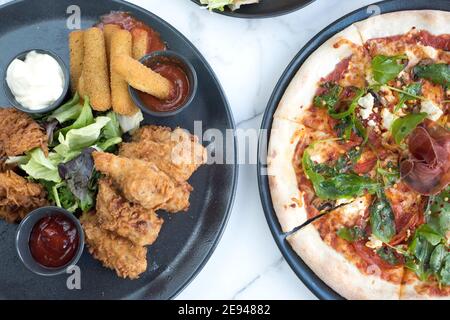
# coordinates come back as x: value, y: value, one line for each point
x: 427, y: 170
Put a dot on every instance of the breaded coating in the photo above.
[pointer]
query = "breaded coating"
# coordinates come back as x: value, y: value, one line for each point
x: 19, y: 133
x: 139, y: 181
x: 141, y: 77
x: 18, y: 196
x: 115, y: 252
x: 140, y: 43
x: 108, y: 30
x: 180, y: 199
x: 95, y: 69
x: 121, y: 99
x: 177, y: 153
x: 76, y: 47
x: 129, y: 220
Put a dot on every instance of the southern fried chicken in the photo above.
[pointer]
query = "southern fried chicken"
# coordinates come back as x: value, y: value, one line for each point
x: 129, y: 220
x: 126, y: 258
x: 18, y: 196
x: 177, y: 153
x: 19, y: 133
x: 140, y: 181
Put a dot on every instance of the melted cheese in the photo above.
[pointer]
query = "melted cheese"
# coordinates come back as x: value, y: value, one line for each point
x: 388, y: 118
x: 366, y: 103
x: 433, y: 110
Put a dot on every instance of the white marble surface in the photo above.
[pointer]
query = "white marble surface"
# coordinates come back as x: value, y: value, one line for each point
x: 248, y: 57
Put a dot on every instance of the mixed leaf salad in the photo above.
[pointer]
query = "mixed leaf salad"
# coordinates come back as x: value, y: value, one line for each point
x: 74, y: 131
x: 221, y: 4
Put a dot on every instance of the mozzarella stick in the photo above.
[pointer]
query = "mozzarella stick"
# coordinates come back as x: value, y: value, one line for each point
x: 76, y: 48
x: 95, y: 69
x: 121, y: 100
x: 81, y: 88
x: 108, y: 30
x: 141, y: 78
x: 140, y: 43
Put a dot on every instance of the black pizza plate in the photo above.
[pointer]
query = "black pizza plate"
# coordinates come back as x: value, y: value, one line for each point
x: 264, y: 9
x: 306, y: 275
x: 187, y: 240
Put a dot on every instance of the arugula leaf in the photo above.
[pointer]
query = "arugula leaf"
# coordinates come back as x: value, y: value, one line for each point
x: 402, y: 127
x: 445, y: 272
x: 388, y: 255
x: 69, y: 111
x: 382, y: 220
x: 438, y: 213
x: 339, y: 185
x: 345, y: 186
x: 386, y: 68
x: 438, y: 73
x: 351, y: 109
x: 428, y: 233
x: 390, y: 176
x: 40, y: 167
x: 351, y: 234
x: 411, y: 92
x: 437, y: 258
x: 330, y: 98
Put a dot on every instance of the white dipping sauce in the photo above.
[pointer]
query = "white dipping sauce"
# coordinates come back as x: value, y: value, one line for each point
x: 36, y: 82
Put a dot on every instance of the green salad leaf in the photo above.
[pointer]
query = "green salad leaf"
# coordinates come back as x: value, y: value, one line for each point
x: 77, y: 139
x: 216, y: 4
x: 84, y: 119
x: 386, y: 68
x: 39, y: 167
x: 402, y: 127
x: 69, y: 111
x: 438, y: 73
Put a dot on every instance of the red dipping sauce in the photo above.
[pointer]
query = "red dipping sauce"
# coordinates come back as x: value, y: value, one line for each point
x: 128, y: 22
x: 180, y: 86
x: 54, y: 241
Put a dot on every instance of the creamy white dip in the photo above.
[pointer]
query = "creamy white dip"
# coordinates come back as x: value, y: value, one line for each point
x: 36, y: 82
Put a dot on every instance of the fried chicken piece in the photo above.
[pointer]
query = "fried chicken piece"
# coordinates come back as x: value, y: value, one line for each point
x: 139, y: 181
x: 18, y: 196
x: 129, y: 220
x: 19, y: 133
x: 115, y: 252
x: 177, y: 153
x: 179, y: 200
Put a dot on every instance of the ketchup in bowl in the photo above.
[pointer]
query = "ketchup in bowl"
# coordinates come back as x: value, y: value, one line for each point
x: 54, y: 241
x: 180, y: 86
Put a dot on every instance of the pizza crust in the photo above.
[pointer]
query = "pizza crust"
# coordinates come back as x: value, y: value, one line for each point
x: 396, y: 23
x: 337, y: 272
x: 286, y: 196
x: 323, y: 61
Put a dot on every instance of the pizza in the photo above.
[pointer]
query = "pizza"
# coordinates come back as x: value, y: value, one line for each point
x: 359, y: 158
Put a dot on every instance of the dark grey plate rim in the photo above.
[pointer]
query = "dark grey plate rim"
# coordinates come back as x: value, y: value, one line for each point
x: 303, y: 272
x: 277, y: 13
x: 230, y: 120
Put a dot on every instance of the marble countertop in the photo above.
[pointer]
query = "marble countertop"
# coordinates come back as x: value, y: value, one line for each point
x: 248, y: 57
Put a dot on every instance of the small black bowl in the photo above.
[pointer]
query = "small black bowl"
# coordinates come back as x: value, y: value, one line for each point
x: 54, y: 105
x: 182, y: 62
x: 23, y: 238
